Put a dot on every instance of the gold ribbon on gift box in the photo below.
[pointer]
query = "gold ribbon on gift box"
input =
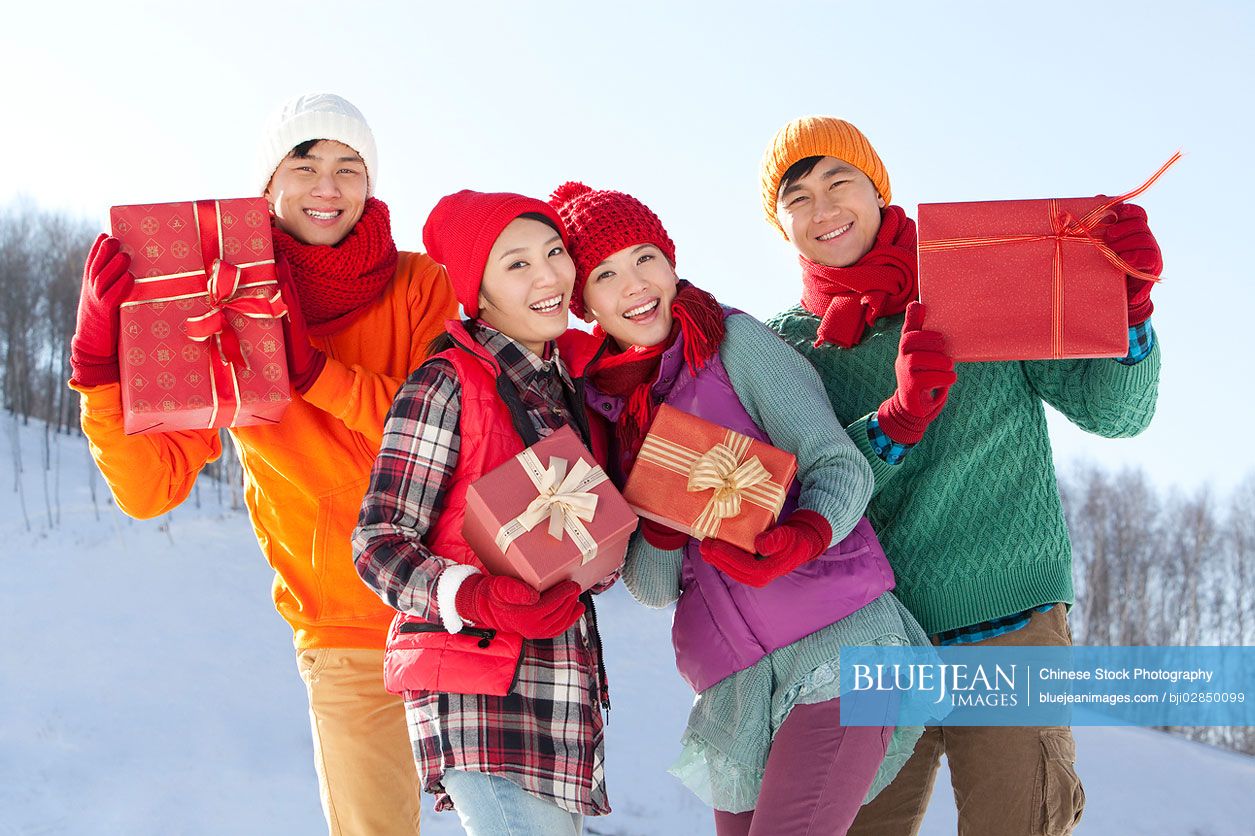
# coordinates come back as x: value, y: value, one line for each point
x: 564, y: 499
x: 724, y: 470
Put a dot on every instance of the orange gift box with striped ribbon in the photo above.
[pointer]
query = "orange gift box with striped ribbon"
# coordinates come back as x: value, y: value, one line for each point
x: 201, y: 343
x: 708, y: 481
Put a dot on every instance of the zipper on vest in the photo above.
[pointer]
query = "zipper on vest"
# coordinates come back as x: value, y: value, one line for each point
x: 603, y: 683
x: 485, y: 634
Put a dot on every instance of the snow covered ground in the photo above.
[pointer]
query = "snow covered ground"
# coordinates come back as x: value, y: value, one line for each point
x: 148, y: 687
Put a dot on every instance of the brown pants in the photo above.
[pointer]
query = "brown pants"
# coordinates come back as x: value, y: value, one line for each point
x: 1008, y: 780
x: 366, y: 773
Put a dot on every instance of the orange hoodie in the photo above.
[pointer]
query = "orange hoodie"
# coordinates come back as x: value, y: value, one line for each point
x: 304, y: 478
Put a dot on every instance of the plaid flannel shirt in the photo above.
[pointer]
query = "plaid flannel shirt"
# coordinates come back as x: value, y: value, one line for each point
x: 546, y: 735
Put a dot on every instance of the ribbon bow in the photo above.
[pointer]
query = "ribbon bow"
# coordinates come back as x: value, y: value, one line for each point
x: 564, y: 499
x: 719, y: 469
x: 561, y: 498
x: 224, y: 282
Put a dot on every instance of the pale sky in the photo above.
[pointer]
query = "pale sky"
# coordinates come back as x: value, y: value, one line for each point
x: 131, y: 102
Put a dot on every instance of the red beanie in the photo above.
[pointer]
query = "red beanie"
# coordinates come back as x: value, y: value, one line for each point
x: 599, y: 224
x: 462, y: 228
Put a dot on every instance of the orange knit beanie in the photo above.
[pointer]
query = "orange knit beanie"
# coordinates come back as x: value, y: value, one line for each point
x: 818, y: 136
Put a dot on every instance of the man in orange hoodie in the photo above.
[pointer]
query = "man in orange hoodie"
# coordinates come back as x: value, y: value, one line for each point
x: 361, y: 317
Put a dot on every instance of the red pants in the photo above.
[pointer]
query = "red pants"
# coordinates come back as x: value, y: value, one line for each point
x: 817, y: 775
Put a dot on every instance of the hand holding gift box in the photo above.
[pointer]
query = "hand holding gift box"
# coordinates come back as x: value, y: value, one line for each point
x: 549, y: 514
x: 698, y: 477
x: 201, y: 345
x: 1026, y: 279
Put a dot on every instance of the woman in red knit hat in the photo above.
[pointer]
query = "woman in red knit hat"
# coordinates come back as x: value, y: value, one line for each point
x: 503, y: 684
x: 757, y: 635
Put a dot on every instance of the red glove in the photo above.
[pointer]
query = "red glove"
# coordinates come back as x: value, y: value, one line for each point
x: 509, y: 604
x: 305, y: 362
x: 800, y: 538
x: 925, y: 374
x: 1129, y: 237
x: 106, y: 282
x: 661, y: 537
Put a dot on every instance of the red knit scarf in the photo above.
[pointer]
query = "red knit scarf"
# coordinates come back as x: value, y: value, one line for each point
x: 881, y: 283
x: 336, y: 283
x: 630, y: 374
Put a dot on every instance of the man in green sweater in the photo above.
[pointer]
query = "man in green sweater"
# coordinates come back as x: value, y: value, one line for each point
x: 965, y: 499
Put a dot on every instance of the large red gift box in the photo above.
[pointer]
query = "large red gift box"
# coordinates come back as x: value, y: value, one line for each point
x: 1004, y: 280
x: 549, y: 514
x: 201, y: 344
x: 708, y: 481
x: 1025, y: 279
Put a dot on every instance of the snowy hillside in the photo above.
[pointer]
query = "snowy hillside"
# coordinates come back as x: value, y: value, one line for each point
x: 148, y: 687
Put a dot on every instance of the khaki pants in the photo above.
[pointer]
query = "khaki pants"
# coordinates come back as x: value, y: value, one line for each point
x: 366, y: 774
x: 1007, y: 780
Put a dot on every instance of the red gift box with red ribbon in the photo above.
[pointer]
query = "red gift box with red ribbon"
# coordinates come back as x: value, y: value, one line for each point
x: 201, y: 344
x: 1025, y: 279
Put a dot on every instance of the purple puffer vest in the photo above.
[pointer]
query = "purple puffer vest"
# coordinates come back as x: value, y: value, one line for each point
x: 722, y: 626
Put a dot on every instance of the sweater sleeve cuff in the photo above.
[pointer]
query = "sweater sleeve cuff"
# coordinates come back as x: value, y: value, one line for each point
x: 447, y: 586
x: 332, y: 391
x: 102, y: 400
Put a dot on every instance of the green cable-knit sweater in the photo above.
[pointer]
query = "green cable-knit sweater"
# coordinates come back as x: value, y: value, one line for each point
x: 971, y: 519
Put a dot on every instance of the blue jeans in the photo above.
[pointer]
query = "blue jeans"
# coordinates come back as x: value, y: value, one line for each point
x: 489, y: 805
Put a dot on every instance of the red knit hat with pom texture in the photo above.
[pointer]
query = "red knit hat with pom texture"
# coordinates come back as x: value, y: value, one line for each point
x: 599, y: 224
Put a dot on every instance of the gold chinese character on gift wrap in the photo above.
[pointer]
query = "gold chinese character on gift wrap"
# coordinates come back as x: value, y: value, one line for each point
x: 123, y: 227
x: 257, y: 243
x: 163, y: 355
x: 176, y: 223
x: 153, y: 251
x: 149, y: 225
x: 132, y: 329
x: 276, y: 395
x: 269, y: 345
x: 138, y: 382
x: 193, y: 378
x: 168, y: 404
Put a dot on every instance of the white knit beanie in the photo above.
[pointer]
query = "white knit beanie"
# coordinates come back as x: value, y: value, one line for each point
x: 315, y: 116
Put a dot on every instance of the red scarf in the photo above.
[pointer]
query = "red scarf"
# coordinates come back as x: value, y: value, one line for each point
x: 630, y: 374
x: 848, y: 299
x: 336, y: 283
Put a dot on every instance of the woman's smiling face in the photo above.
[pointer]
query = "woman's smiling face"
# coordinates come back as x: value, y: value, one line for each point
x: 630, y: 295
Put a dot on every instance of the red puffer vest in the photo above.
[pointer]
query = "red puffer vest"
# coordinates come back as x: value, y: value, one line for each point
x: 420, y: 656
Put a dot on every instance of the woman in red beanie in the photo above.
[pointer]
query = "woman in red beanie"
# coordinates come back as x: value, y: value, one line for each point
x: 757, y: 635
x: 503, y: 684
